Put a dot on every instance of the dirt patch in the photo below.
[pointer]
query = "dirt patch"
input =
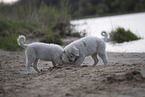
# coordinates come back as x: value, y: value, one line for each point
x: 124, y: 77
x: 129, y: 76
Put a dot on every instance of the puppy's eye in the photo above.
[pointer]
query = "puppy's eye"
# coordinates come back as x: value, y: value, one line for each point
x: 71, y: 56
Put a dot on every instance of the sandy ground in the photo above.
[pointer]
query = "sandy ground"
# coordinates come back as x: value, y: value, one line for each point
x: 124, y: 77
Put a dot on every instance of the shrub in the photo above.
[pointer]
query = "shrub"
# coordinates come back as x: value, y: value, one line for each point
x: 76, y: 34
x: 9, y: 43
x: 52, y: 38
x: 10, y: 29
x: 121, y: 35
x: 33, y: 20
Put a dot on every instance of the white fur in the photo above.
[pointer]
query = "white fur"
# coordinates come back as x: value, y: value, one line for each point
x: 43, y: 51
x: 78, y: 50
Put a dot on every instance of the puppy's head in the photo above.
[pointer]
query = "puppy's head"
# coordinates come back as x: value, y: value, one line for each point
x: 70, y: 54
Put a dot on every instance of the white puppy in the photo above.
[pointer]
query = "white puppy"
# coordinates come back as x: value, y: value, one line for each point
x: 79, y: 49
x: 36, y: 51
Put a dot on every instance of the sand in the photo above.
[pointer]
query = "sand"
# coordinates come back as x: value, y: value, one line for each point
x: 124, y: 77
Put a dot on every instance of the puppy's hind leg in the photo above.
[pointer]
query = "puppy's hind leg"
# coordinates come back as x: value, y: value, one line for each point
x: 54, y: 65
x: 94, y: 56
x: 35, y: 66
x: 29, y: 62
x: 104, y: 58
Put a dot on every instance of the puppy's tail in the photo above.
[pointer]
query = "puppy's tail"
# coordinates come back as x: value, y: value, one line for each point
x: 21, y: 39
x: 105, y: 34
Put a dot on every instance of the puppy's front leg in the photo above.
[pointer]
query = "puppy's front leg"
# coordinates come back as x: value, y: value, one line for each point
x: 79, y: 60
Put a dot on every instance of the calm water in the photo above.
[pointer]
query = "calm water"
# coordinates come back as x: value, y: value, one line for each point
x: 134, y: 22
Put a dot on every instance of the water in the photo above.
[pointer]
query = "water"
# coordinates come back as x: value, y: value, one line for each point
x: 134, y: 22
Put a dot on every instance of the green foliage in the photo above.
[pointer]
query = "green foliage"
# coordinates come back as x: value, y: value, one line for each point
x: 28, y: 8
x: 43, y: 15
x: 48, y: 20
x: 121, y: 35
x: 76, y: 34
x: 10, y: 29
x: 52, y: 38
x: 12, y: 26
x: 102, y: 8
x: 81, y: 8
x: 31, y: 20
x: 9, y: 43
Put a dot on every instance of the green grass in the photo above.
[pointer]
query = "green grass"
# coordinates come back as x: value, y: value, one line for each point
x: 9, y: 43
x: 10, y: 29
x: 52, y: 38
x: 42, y: 22
x: 121, y: 35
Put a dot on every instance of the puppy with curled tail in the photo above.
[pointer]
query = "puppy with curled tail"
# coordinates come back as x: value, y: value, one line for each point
x: 77, y: 51
x: 43, y: 51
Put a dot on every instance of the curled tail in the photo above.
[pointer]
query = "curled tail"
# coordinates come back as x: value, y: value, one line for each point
x: 21, y: 39
x: 105, y: 34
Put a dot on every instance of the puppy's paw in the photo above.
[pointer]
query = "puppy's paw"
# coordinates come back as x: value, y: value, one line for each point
x: 105, y: 64
x: 29, y: 73
x: 93, y: 65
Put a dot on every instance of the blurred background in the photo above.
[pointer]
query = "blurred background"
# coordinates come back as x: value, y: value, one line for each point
x: 51, y: 20
x: 81, y: 8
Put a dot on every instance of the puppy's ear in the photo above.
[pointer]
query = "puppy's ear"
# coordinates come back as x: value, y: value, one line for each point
x: 75, y: 51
